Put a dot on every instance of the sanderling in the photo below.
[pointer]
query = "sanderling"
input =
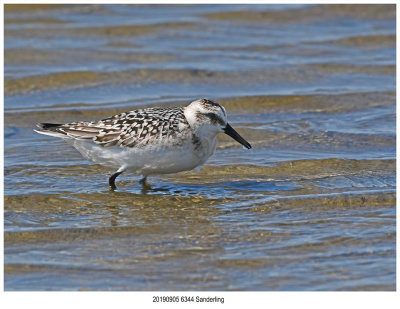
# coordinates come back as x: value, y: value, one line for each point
x: 149, y: 141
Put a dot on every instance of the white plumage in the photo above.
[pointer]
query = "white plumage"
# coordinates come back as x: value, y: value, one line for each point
x: 149, y: 141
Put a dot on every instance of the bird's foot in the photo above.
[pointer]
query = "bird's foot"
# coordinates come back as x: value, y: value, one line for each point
x: 144, y: 183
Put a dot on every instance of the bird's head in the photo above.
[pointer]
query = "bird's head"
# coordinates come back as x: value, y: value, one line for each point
x: 209, y: 117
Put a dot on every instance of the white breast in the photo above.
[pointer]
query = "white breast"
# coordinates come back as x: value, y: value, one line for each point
x: 150, y: 160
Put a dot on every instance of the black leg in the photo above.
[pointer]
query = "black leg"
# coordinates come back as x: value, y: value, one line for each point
x: 111, y: 180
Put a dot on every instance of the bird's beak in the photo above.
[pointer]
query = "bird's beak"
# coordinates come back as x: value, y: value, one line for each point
x: 232, y: 133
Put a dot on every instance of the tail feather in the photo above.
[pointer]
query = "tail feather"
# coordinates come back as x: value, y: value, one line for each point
x: 66, y: 131
x: 48, y: 126
x: 49, y: 129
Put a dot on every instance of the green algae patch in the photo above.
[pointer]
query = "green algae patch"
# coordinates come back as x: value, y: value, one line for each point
x: 51, y: 81
x: 309, y: 14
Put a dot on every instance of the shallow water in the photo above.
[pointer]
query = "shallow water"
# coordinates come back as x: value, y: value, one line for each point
x: 310, y: 207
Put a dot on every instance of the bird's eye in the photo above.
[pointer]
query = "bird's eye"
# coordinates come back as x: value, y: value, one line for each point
x: 214, y: 118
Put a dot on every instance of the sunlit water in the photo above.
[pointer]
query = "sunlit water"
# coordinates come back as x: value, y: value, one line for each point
x: 310, y: 207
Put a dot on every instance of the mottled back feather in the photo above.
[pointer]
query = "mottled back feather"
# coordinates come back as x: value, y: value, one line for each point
x: 132, y: 129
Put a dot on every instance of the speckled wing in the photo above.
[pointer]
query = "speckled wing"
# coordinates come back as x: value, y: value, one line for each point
x: 133, y: 129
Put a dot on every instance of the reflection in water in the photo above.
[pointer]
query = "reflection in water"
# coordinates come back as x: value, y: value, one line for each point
x: 310, y: 207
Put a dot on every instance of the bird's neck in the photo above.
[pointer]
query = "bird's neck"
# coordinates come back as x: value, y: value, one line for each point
x: 206, y: 142
x: 205, y: 133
